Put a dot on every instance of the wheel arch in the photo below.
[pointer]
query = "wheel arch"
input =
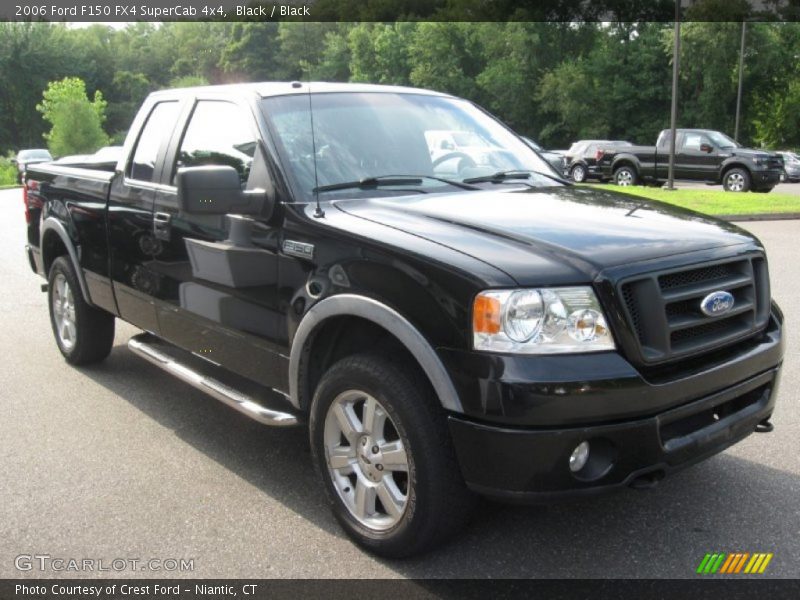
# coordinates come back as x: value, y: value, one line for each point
x: 55, y: 242
x: 734, y: 164
x: 325, y: 319
x: 625, y: 160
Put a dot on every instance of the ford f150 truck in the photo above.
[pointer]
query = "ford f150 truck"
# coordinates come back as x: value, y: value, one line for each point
x: 700, y: 155
x: 445, y: 328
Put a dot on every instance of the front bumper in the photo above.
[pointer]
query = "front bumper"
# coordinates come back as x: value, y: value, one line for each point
x: 638, y: 429
x: 766, y: 178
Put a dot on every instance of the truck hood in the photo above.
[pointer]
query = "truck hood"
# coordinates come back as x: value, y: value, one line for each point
x: 550, y: 235
x: 750, y: 153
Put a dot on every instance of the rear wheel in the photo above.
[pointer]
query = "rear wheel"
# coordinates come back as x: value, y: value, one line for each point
x: 578, y: 174
x: 84, y: 334
x: 625, y: 176
x: 736, y: 180
x: 382, y: 447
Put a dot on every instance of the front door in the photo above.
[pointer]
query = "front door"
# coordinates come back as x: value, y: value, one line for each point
x: 696, y: 157
x: 218, y: 298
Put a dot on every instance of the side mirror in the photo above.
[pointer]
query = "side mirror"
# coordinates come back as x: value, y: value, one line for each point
x: 708, y: 148
x: 217, y: 190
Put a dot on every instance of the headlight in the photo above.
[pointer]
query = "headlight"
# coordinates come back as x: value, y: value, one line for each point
x: 540, y: 321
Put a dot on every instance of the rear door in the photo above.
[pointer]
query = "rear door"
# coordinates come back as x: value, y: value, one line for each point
x: 217, y: 299
x: 132, y: 245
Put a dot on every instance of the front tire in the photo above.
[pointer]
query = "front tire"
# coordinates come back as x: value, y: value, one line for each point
x: 383, y: 449
x: 625, y: 176
x: 736, y: 180
x: 84, y: 334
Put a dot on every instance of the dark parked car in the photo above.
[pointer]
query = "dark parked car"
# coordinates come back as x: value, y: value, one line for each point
x: 791, y: 166
x: 700, y: 155
x: 581, y: 159
x: 555, y: 158
x: 444, y: 328
x: 30, y: 157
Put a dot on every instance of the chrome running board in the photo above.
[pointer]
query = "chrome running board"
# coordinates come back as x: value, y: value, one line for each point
x: 152, y: 349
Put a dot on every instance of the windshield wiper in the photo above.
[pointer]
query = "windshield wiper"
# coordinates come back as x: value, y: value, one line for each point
x: 503, y: 176
x: 367, y: 183
x: 499, y: 177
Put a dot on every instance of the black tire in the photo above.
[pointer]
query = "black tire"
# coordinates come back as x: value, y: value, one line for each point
x: 736, y: 180
x: 625, y: 176
x: 578, y: 173
x: 437, y: 502
x: 93, y: 335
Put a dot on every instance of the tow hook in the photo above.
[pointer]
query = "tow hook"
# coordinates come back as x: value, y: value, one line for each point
x: 765, y: 426
x: 647, y: 481
x: 44, y: 287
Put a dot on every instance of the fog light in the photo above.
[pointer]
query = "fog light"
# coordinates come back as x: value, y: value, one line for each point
x: 579, y: 457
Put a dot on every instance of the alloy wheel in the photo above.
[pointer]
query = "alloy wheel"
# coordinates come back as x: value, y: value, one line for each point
x: 64, y: 312
x: 624, y: 177
x: 367, y: 460
x: 735, y: 182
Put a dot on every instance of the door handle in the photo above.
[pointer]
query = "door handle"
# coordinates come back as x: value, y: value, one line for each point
x: 161, y: 225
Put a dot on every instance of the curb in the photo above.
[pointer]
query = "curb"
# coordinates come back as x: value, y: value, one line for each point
x: 760, y: 217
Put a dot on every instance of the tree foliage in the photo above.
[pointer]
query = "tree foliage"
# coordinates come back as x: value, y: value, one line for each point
x: 555, y: 82
x: 76, y: 121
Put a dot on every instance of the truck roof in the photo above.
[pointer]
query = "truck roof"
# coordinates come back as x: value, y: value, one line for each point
x: 283, y: 88
x: 690, y: 129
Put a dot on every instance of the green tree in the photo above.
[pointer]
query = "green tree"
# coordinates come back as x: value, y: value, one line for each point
x: 252, y: 52
x: 777, y: 121
x: 445, y: 57
x: 76, y: 121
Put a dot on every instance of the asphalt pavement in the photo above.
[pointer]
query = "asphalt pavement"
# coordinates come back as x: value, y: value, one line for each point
x: 121, y: 461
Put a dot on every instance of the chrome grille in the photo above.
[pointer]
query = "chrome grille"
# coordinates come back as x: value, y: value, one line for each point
x: 663, y: 308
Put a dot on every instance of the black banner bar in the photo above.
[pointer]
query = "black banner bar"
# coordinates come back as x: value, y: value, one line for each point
x: 344, y: 589
x: 396, y: 10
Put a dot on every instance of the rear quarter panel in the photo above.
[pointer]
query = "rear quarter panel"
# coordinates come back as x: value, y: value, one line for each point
x: 76, y: 198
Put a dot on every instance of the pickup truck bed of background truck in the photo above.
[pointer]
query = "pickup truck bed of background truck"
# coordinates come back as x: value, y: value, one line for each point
x: 445, y: 326
x: 700, y: 155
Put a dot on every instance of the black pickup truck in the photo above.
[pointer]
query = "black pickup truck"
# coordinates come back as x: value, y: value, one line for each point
x: 446, y: 327
x: 700, y: 155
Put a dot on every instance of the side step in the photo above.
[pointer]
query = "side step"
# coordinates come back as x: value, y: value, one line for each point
x: 170, y: 359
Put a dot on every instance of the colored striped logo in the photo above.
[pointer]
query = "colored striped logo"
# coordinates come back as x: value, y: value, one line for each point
x: 733, y: 563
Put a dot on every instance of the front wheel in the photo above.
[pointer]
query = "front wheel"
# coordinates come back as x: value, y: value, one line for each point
x: 736, y: 180
x: 382, y: 447
x: 84, y: 334
x: 625, y: 176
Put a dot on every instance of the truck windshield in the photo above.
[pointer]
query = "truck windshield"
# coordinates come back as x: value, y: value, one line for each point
x: 369, y: 135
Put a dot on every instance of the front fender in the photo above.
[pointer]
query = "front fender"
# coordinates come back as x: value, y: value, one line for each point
x: 384, y: 316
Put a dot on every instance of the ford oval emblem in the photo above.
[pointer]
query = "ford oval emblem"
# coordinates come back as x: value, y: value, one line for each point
x: 717, y: 304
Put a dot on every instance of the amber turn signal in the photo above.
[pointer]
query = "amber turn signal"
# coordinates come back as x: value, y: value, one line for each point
x: 486, y: 315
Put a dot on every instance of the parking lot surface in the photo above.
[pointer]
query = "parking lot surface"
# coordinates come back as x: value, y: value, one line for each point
x: 122, y: 461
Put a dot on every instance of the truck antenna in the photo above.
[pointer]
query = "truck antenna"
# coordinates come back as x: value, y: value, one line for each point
x: 318, y: 212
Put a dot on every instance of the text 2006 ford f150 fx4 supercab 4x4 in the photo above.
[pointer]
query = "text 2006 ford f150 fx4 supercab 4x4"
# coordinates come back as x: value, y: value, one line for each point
x: 446, y: 326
